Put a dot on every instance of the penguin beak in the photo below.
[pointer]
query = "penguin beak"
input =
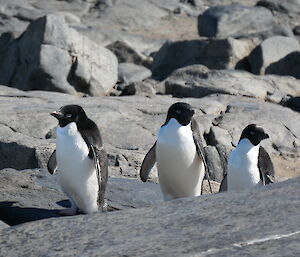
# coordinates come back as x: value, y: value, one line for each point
x: 58, y: 115
x: 266, y: 135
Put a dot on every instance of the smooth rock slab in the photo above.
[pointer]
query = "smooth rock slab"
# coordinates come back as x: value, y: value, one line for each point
x: 255, y: 223
x: 31, y: 195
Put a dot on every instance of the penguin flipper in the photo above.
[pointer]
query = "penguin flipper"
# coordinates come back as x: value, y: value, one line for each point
x: 265, y: 166
x: 223, y: 186
x: 101, y: 164
x: 148, y: 163
x: 199, y: 147
x: 52, y: 163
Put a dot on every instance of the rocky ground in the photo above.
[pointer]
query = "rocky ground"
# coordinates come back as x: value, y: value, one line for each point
x: 125, y: 62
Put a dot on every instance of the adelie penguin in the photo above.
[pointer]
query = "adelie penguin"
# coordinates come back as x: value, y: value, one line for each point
x: 80, y: 160
x: 249, y: 164
x: 178, y: 153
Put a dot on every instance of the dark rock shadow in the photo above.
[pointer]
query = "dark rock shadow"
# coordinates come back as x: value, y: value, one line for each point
x: 293, y: 103
x: 64, y: 203
x: 14, y: 215
x: 286, y: 66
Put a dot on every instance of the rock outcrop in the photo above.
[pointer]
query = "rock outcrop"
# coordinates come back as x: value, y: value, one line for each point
x: 51, y: 56
x: 260, y: 222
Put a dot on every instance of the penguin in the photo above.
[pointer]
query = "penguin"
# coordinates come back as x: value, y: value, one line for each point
x: 80, y: 160
x: 249, y: 164
x: 178, y: 152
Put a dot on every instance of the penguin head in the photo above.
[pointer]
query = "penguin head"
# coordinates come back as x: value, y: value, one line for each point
x: 68, y: 114
x: 182, y: 112
x: 254, y: 134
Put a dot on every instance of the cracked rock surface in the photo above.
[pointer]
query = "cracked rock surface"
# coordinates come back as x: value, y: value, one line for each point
x: 250, y: 223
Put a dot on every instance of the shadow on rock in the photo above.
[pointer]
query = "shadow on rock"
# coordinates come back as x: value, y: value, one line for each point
x: 9, y: 213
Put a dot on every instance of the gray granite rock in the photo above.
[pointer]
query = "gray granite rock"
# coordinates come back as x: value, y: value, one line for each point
x: 30, y: 195
x: 3, y: 225
x: 281, y: 6
x: 226, y: 53
x: 286, y: 66
x: 199, y: 81
x: 143, y: 88
x: 239, y: 21
x: 216, y: 159
x: 127, y: 54
x: 251, y: 223
x: 276, y: 55
x: 129, y: 125
x: 51, y: 56
x: 280, y: 122
x: 130, y: 73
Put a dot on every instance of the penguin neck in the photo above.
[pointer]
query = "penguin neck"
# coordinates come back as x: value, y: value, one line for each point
x: 173, y: 129
x: 245, y: 146
x: 173, y: 124
x: 69, y: 129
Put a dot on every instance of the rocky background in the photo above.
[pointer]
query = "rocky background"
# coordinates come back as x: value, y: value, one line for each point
x: 125, y: 62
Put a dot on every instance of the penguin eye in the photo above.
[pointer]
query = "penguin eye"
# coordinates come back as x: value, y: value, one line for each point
x: 68, y: 115
x: 252, y: 133
x: 178, y: 111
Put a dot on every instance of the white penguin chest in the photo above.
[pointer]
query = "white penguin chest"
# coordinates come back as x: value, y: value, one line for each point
x: 179, y: 166
x: 243, y: 172
x: 73, y: 162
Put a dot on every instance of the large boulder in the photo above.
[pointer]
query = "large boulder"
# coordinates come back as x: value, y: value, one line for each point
x: 51, y: 56
x: 130, y: 73
x: 239, y: 21
x: 226, y: 53
x: 127, y: 54
x: 276, y: 55
x: 198, y: 81
x: 262, y: 222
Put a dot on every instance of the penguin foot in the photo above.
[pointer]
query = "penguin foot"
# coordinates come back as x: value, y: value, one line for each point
x: 68, y: 212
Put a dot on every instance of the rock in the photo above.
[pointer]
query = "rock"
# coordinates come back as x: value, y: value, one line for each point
x: 31, y: 195
x: 217, y: 136
x: 271, y: 56
x: 279, y: 122
x: 51, y: 56
x: 293, y: 103
x: 296, y: 30
x: 127, y: 54
x: 130, y: 73
x: 281, y: 6
x: 27, y: 152
x: 201, y: 219
x: 287, y: 66
x: 216, y: 159
x: 198, y: 81
x: 3, y: 225
x: 28, y: 131
x: 214, y: 53
x: 144, y: 88
x: 239, y: 21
